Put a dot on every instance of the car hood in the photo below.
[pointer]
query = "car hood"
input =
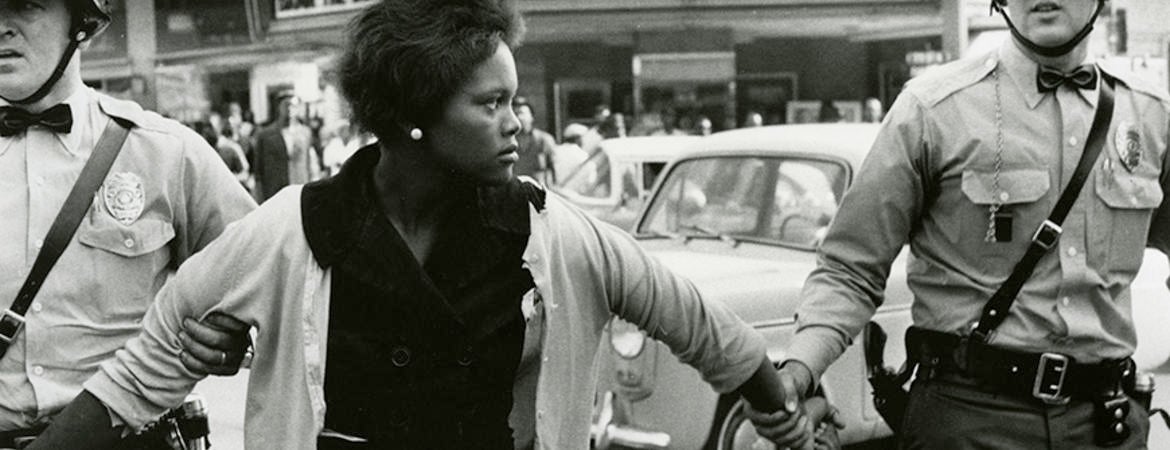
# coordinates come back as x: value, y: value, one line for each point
x: 761, y: 285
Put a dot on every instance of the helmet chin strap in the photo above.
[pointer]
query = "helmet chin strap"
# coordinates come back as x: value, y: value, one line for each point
x: 1055, y: 50
x: 47, y: 87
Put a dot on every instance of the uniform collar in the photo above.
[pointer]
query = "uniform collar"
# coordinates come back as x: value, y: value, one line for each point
x: 1022, y: 71
x: 82, y: 105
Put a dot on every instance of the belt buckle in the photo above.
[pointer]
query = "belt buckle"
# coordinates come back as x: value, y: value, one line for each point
x: 10, y: 325
x: 1050, y: 375
x: 1047, y: 235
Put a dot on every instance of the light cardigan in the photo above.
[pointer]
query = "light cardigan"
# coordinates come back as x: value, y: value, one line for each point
x: 262, y: 271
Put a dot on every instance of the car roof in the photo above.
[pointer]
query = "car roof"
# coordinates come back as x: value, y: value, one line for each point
x: 848, y: 141
x: 648, y: 148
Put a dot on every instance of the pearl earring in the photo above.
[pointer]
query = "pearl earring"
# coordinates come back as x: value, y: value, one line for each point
x: 416, y: 134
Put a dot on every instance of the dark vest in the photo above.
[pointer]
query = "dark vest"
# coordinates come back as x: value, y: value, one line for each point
x: 403, y: 368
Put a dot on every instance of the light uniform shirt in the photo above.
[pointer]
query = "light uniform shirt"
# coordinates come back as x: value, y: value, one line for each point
x: 94, y: 298
x: 930, y: 179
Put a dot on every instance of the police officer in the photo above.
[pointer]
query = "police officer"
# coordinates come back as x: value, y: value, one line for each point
x: 970, y: 162
x: 165, y: 197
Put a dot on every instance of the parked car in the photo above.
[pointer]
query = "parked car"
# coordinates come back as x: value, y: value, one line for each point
x: 613, y: 183
x: 740, y: 214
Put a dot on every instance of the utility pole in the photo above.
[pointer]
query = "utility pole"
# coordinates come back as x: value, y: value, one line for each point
x: 142, y: 48
x: 955, y: 28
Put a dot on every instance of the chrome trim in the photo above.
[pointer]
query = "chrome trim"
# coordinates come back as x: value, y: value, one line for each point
x: 606, y: 434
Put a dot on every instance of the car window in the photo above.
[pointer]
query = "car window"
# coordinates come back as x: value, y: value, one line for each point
x: 591, y: 179
x: 805, y: 199
x: 650, y: 172
x: 787, y: 200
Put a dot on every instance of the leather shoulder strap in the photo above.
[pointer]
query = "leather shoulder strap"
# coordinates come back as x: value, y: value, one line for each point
x: 1046, y: 237
x: 61, y: 232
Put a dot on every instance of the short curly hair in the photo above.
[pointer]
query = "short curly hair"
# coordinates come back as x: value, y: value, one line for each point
x: 404, y: 59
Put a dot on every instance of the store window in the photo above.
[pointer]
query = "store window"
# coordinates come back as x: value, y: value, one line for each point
x: 292, y: 8
x: 194, y: 24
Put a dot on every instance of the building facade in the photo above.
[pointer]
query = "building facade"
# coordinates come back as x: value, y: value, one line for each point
x: 653, y: 60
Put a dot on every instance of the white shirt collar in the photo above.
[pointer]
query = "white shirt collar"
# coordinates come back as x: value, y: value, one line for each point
x: 79, y: 140
x: 1022, y: 70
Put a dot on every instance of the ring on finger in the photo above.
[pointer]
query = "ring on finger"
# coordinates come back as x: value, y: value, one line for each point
x: 223, y: 358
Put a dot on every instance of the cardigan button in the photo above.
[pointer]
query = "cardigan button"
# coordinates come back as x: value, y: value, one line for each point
x: 400, y: 356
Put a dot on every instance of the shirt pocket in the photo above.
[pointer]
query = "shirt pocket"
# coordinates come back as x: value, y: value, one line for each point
x: 128, y: 262
x: 1122, y: 224
x: 1019, y: 191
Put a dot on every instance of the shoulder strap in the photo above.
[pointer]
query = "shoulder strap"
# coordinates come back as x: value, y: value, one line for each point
x: 61, y: 232
x: 1046, y: 237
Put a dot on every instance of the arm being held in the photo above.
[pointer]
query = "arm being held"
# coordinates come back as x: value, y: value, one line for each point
x: 147, y: 376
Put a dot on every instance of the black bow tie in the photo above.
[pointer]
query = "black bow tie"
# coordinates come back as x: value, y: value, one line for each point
x: 1048, y: 79
x: 14, y: 121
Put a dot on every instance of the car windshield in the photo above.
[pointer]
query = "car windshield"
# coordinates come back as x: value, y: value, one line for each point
x: 770, y: 199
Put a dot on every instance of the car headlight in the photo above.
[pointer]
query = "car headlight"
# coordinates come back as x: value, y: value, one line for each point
x: 627, y: 340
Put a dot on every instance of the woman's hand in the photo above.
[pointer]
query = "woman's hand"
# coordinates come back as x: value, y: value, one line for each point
x: 789, y: 426
x: 214, y: 346
x: 826, y: 422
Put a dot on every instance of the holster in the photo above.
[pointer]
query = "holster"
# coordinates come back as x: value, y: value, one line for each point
x: 1109, y: 419
x: 890, y: 395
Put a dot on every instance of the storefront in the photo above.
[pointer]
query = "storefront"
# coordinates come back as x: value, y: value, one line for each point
x: 723, y: 60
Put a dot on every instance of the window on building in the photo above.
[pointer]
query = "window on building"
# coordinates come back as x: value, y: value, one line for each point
x: 195, y: 24
x: 291, y: 8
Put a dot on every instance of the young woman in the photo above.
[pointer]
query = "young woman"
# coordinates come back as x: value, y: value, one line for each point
x: 422, y: 297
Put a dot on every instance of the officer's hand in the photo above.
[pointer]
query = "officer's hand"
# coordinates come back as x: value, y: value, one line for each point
x: 789, y: 427
x: 214, y: 346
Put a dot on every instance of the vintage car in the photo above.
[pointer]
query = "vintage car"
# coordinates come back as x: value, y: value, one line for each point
x: 740, y: 214
x: 618, y: 175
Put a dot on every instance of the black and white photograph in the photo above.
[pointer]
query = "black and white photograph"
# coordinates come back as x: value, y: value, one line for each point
x: 584, y: 224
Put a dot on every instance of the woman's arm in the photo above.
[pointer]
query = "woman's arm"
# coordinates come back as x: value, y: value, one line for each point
x: 729, y: 354
x: 644, y: 292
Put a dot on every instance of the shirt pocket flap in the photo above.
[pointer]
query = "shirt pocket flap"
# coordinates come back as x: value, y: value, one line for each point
x: 1015, y: 186
x: 136, y: 239
x: 1124, y: 190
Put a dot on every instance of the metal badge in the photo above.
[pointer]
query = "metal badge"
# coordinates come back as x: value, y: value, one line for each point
x: 124, y: 197
x: 1128, y: 143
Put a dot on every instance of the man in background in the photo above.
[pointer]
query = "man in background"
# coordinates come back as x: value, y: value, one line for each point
x: 535, y: 146
x: 283, y: 152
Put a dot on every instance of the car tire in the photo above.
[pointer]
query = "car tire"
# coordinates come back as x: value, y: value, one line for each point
x: 731, y: 429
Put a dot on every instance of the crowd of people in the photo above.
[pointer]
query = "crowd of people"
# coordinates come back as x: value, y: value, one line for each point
x: 291, y: 148
x: 545, y: 160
